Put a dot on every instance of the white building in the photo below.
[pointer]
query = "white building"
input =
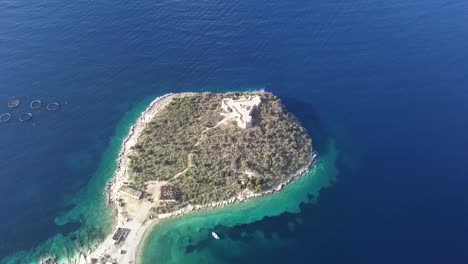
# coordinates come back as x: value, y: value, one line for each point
x: 241, y: 109
x: 132, y: 192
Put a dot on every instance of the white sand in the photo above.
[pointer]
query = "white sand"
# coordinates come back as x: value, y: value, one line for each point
x: 135, y: 214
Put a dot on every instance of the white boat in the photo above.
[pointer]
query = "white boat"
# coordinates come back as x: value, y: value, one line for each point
x: 215, y: 235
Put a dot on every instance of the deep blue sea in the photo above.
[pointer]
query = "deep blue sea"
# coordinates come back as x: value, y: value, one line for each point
x: 387, y: 81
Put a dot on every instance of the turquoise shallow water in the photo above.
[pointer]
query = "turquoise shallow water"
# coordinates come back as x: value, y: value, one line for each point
x: 180, y: 240
x: 90, y: 206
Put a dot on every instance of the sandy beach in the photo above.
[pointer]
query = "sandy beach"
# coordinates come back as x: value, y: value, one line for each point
x: 108, y: 250
x: 136, y: 216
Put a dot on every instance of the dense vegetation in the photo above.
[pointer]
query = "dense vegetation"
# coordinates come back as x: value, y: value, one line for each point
x: 215, y: 160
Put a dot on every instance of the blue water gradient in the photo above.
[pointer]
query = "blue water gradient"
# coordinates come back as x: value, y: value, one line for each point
x: 385, y: 79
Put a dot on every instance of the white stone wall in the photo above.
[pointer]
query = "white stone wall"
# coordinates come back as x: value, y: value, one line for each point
x: 241, y: 109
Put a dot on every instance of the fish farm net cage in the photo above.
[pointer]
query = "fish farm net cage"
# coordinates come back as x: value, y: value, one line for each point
x: 13, y: 103
x: 25, y: 117
x: 5, y: 117
x: 35, y: 104
x: 52, y: 106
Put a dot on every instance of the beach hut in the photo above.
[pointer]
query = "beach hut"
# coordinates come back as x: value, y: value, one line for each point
x: 132, y: 192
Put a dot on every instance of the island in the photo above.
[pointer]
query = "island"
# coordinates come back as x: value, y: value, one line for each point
x: 194, y: 151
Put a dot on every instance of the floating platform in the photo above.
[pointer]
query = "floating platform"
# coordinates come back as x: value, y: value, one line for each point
x: 53, y: 106
x: 35, y: 104
x: 13, y: 103
x: 25, y: 117
x: 5, y: 117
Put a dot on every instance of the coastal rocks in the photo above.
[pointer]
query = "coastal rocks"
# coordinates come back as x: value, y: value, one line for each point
x: 245, y: 195
x: 49, y: 260
x: 280, y: 187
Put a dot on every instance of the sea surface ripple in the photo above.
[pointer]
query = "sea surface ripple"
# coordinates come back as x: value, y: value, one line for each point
x: 384, y: 80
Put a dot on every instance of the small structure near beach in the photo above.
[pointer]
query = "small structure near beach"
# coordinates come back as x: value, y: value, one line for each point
x: 241, y: 109
x: 168, y: 194
x: 132, y: 192
x: 120, y: 234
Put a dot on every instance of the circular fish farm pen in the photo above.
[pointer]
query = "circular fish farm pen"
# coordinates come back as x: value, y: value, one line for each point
x: 13, y: 103
x: 36, y: 104
x: 25, y: 117
x: 5, y: 117
x: 52, y: 106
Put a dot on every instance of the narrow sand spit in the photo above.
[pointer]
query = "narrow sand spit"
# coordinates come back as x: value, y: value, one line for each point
x: 139, y: 221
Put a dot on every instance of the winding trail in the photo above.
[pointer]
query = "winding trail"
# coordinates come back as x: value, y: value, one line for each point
x: 200, y: 139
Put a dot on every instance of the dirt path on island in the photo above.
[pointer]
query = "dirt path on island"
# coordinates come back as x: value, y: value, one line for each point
x: 190, y: 155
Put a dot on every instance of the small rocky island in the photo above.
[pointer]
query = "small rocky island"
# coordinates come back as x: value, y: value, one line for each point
x: 192, y: 151
x: 211, y: 147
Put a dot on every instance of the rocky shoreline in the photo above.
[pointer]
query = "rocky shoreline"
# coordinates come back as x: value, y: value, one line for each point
x: 244, y: 196
x: 241, y: 198
x: 121, y: 176
x: 49, y: 260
